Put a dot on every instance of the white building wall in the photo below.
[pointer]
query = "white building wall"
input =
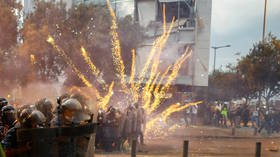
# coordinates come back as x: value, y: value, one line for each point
x: 202, y: 43
x: 146, y: 12
x: 194, y: 72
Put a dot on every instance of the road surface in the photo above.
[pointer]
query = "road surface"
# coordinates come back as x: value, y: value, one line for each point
x: 207, y: 142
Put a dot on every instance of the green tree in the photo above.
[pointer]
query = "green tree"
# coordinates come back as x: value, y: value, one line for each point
x: 261, y: 68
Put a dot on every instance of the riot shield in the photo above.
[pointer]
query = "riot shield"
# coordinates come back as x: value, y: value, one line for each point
x: 76, y: 141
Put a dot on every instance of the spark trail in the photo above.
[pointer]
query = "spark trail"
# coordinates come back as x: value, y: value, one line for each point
x: 105, y: 100
x: 32, y: 59
x: 69, y: 61
x: 176, y: 108
x: 157, y: 58
x: 161, y: 94
x: 148, y: 95
x: 163, y: 116
x: 116, y: 47
x: 152, y: 52
x: 132, y: 71
x: 87, y: 59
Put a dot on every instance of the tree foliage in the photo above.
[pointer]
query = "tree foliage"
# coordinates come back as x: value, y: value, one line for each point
x: 261, y: 68
x: 8, y: 40
x: 257, y: 75
x: 82, y: 25
x: 8, y: 24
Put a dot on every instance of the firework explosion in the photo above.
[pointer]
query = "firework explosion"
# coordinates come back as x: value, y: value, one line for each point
x: 156, y: 86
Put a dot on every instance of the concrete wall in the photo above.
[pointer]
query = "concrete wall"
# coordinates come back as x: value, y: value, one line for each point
x: 202, y: 43
x: 146, y: 12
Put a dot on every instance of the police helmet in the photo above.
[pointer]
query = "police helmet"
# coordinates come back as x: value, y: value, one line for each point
x: 8, y: 115
x: 72, y: 111
x: 46, y: 107
x: 31, y: 118
x: 3, y: 102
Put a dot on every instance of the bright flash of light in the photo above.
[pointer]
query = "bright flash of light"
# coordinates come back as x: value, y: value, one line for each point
x: 116, y: 47
x: 161, y: 94
x: 87, y: 59
x: 106, y: 99
x: 32, y: 59
x: 69, y: 61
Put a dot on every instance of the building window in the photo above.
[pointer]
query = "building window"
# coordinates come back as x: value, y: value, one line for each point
x: 172, y: 10
x: 181, y: 10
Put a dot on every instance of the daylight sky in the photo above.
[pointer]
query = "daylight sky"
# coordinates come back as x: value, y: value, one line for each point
x: 239, y: 23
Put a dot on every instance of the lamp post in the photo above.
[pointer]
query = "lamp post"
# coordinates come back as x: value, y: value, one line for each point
x: 264, y: 20
x: 215, y: 51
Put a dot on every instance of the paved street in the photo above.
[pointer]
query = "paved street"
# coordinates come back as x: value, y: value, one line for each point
x: 207, y: 142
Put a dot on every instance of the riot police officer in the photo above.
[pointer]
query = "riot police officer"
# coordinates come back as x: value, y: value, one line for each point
x: 71, y: 114
x: 8, y: 116
x: 46, y: 107
x: 28, y: 119
x: 3, y: 102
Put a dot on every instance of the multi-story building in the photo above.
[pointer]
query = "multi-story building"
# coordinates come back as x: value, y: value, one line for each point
x: 191, y: 29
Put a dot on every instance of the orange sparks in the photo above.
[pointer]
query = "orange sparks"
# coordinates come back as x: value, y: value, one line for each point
x: 87, y: 59
x: 176, y: 108
x: 106, y: 99
x: 69, y: 61
x: 116, y: 47
x: 161, y: 94
x: 32, y: 59
x: 150, y: 126
x: 132, y: 73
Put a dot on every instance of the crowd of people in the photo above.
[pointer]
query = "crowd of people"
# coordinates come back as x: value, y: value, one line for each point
x: 115, y: 129
x: 260, y: 119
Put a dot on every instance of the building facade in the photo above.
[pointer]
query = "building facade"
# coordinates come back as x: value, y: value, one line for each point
x: 191, y: 29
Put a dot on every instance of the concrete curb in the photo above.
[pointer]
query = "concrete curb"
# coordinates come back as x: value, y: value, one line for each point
x: 231, y: 137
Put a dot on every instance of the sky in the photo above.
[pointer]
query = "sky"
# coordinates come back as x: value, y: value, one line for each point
x: 240, y: 24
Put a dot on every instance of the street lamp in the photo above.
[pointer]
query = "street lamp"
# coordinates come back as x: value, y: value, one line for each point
x: 215, y: 50
x: 264, y: 20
